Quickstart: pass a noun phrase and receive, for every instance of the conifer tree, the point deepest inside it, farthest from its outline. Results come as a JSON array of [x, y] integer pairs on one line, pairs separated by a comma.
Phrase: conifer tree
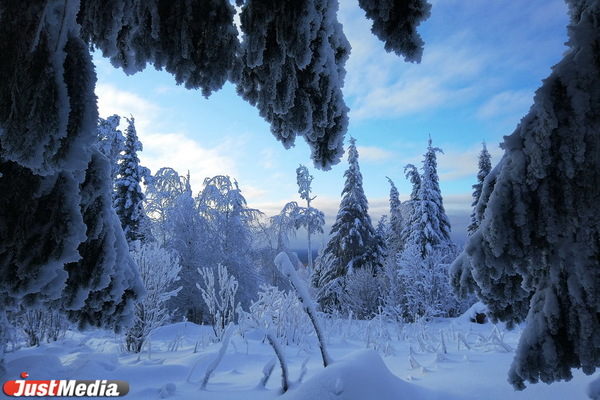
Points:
[[352, 244], [395, 242], [485, 166], [111, 142], [129, 198], [535, 255], [428, 224]]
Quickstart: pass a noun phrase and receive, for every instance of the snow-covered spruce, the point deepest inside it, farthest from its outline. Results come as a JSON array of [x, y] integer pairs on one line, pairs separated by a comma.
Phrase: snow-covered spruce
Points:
[[129, 198], [535, 255], [485, 166], [352, 244]]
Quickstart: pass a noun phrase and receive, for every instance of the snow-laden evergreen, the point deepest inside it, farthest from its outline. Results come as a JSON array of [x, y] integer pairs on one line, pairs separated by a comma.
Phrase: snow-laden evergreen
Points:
[[395, 23], [111, 141], [293, 56], [485, 166], [104, 283], [535, 255], [395, 243], [129, 198], [352, 244], [59, 237], [428, 226]]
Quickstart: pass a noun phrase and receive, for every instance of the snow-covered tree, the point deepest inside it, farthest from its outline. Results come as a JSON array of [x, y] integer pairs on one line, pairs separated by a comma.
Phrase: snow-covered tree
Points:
[[535, 255], [129, 198], [218, 289], [425, 285], [394, 241], [229, 221], [308, 217], [187, 238], [395, 24], [159, 269], [352, 244], [104, 283], [111, 141], [48, 164], [485, 166], [163, 190], [428, 225]]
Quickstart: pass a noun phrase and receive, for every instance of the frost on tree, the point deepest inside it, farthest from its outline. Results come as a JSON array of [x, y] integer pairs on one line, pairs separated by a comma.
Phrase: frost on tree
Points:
[[353, 243], [485, 166], [129, 198], [395, 23], [395, 243], [293, 56], [230, 220], [103, 285], [428, 225], [535, 254], [111, 141], [59, 236]]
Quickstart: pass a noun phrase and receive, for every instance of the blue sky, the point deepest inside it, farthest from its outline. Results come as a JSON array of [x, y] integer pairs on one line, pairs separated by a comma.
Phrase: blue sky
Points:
[[482, 63]]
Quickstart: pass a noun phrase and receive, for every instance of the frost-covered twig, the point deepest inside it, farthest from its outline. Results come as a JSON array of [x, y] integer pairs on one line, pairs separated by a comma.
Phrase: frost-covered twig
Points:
[[283, 263]]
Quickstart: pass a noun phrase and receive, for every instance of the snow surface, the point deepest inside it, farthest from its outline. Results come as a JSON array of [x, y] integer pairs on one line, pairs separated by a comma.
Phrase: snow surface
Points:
[[171, 368]]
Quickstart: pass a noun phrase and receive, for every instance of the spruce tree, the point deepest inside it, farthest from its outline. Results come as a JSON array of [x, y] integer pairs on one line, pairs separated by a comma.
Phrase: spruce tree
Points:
[[129, 198], [535, 255], [352, 244], [485, 166], [395, 242], [428, 225], [111, 142]]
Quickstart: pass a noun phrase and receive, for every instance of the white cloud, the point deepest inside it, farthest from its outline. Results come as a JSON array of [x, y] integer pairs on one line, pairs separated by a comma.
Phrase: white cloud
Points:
[[372, 153], [457, 164], [176, 150], [510, 103]]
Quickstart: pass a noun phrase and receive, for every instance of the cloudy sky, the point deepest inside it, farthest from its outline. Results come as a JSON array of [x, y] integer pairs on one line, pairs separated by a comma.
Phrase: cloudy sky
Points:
[[482, 63]]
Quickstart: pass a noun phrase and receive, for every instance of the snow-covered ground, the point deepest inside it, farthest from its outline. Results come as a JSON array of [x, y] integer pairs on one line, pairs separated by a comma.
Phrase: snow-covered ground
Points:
[[409, 363]]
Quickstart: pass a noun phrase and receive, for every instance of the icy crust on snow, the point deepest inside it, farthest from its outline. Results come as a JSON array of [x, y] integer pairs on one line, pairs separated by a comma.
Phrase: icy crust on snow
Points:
[[358, 376]]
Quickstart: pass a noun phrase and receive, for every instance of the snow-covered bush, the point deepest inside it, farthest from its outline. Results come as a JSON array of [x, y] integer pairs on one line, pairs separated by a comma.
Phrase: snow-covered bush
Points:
[[158, 269], [279, 311], [362, 293], [219, 295], [426, 285]]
